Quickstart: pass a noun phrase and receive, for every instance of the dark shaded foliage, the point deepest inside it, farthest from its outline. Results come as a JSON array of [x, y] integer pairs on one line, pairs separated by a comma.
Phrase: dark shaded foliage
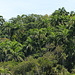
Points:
[[37, 44]]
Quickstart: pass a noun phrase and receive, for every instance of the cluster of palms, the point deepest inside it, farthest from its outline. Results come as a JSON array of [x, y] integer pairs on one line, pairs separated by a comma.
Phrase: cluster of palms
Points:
[[36, 35]]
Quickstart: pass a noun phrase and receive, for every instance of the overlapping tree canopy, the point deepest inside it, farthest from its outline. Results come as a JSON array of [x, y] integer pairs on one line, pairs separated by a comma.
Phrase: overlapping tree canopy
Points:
[[49, 41]]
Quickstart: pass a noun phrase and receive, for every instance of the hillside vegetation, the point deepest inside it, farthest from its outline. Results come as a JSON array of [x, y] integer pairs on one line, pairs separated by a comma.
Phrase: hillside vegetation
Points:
[[38, 44]]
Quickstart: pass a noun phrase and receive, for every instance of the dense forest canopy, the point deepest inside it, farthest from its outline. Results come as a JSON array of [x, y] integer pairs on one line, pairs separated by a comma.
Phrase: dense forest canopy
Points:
[[38, 44]]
